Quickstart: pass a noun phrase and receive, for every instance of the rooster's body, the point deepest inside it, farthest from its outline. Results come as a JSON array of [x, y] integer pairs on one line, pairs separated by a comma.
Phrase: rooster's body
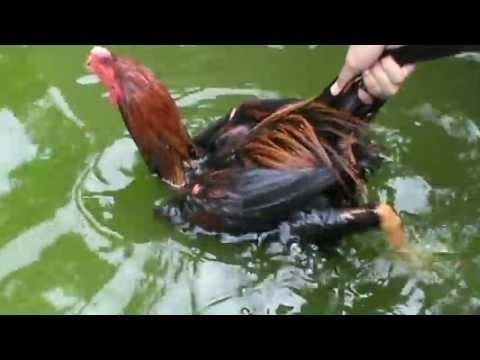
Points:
[[266, 163]]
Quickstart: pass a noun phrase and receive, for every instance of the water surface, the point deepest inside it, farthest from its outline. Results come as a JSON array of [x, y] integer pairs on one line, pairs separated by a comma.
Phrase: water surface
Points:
[[77, 233]]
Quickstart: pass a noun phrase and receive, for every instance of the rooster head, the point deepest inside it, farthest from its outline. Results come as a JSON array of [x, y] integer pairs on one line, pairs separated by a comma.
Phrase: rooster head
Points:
[[101, 62]]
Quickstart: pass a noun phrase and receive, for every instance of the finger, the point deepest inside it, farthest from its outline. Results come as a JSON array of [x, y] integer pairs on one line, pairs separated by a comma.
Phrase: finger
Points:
[[395, 73], [388, 88], [409, 69], [371, 84], [365, 97], [359, 58], [346, 74]]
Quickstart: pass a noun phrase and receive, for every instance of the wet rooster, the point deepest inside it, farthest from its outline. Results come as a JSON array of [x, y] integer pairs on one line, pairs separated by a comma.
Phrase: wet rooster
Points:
[[270, 167]]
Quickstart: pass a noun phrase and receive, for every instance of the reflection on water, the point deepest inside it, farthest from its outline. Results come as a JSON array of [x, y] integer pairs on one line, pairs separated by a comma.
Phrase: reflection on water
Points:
[[196, 283], [115, 295], [455, 126], [54, 98], [97, 248], [469, 56], [112, 166], [63, 301], [411, 194], [88, 80], [61, 104], [16, 148], [213, 93]]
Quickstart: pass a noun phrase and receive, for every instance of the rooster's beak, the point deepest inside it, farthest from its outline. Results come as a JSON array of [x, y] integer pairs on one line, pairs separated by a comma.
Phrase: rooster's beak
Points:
[[87, 64]]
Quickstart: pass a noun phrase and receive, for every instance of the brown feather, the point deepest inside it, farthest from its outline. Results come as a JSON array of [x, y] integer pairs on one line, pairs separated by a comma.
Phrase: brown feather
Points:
[[291, 138], [153, 119]]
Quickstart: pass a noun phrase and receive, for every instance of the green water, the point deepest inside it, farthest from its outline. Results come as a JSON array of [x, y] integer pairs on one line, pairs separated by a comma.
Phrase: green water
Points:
[[77, 233]]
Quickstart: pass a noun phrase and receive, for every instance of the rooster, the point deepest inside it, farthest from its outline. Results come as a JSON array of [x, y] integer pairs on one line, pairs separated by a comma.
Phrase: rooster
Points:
[[268, 167]]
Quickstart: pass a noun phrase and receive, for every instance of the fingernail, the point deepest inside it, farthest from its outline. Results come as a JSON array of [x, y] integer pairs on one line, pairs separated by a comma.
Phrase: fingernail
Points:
[[335, 89]]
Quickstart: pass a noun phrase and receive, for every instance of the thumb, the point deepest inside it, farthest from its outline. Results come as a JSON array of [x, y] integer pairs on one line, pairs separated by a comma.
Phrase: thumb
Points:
[[409, 69], [359, 58], [346, 74]]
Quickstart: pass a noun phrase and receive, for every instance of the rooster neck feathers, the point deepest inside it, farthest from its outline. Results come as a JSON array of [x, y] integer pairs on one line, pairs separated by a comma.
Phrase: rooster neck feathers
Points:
[[149, 112]]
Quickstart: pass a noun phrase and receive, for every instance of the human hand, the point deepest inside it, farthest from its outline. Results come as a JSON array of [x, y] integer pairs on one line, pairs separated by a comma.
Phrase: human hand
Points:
[[382, 79]]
